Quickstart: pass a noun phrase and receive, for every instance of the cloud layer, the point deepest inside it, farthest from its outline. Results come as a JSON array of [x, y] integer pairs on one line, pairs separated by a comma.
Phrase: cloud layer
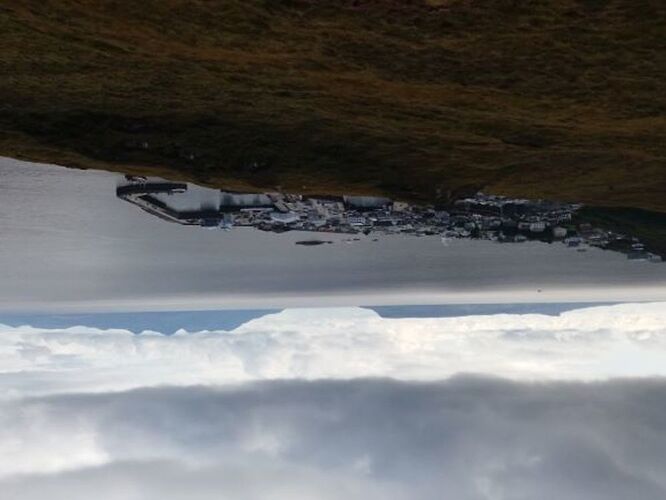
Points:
[[465, 438], [206, 418], [593, 343]]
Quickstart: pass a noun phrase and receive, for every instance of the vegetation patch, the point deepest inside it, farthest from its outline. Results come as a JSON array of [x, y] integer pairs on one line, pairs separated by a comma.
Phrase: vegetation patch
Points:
[[417, 99]]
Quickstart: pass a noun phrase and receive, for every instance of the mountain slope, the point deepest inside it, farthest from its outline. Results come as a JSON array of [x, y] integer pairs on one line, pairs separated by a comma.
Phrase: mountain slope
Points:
[[554, 98]]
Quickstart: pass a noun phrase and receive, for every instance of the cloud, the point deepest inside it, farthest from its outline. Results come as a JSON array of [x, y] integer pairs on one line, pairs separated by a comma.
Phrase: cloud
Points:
[[593, 343], [465, 438], [207, 419], [174, 481]]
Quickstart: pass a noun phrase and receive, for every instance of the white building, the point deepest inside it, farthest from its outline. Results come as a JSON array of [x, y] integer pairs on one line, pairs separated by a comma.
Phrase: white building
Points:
[[537, 227], [356, 220], [559, 232], [285, 218]]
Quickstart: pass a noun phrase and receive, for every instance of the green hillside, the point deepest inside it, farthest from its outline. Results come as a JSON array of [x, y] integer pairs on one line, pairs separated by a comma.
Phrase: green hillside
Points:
[[417, 99]]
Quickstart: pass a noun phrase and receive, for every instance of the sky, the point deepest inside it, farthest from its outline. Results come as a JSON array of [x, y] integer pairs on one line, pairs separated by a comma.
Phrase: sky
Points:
[[463, 438], [166, 322], [339, 343], [169, 322], [340, 403]]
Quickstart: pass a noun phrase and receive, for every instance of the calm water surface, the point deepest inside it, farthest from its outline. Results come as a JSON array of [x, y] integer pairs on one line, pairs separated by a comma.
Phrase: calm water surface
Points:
[[68, 243]]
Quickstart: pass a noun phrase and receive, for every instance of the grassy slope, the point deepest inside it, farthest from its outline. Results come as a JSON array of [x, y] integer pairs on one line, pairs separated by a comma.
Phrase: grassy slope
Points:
[[554, 98]]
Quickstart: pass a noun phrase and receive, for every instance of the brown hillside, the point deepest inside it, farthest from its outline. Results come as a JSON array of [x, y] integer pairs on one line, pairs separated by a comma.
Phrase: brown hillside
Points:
[[542, 98]]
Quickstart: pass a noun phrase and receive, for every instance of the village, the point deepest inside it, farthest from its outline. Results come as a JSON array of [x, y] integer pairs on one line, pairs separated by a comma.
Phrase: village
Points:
[[485, 217]]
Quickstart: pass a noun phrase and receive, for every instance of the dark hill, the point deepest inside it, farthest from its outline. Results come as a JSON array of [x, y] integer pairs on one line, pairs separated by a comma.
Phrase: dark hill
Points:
[[541, 98]]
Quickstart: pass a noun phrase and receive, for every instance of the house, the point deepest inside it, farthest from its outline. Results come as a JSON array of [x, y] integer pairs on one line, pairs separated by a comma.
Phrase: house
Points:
[[285, 218], [400, 206], [559, 232], [366, 202], [537, 227], [356, 220], [280, 206]]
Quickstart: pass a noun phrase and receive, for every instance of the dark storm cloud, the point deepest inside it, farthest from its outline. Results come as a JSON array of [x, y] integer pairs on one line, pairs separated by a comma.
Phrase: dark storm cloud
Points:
[[465, 438]]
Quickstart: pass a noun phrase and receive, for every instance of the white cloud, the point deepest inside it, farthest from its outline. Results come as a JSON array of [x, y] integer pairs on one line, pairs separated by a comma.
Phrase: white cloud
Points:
[[465, 438], [594, 343], [66, 431]]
